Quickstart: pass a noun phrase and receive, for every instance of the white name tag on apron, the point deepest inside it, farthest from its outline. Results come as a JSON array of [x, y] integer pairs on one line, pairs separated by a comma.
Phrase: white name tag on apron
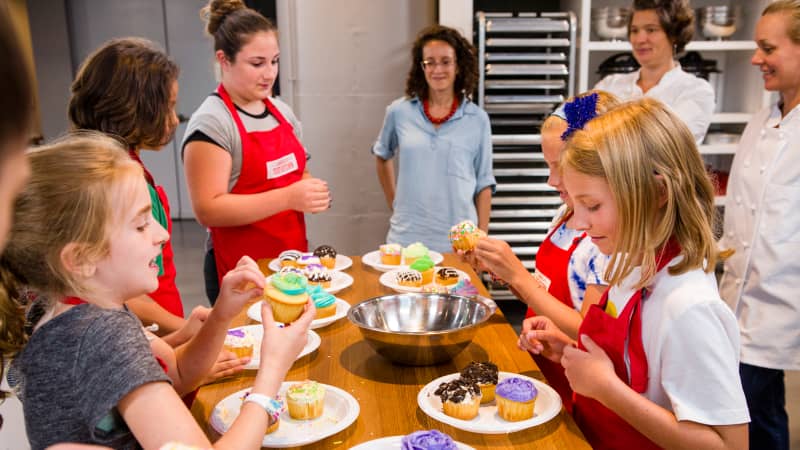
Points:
[[542, 280], [281, 166]]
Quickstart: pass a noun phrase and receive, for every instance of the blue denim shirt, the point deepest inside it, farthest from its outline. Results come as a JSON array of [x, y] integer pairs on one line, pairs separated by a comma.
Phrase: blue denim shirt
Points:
[[440, 171]]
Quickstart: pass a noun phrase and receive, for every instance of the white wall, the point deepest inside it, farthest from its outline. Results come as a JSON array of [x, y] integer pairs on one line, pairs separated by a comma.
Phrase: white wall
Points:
[[342, 63]]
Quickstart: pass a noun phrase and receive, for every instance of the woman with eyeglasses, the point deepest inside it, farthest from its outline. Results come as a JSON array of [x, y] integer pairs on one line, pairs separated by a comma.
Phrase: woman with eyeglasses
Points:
[[245, 165], [443, 140], [658, 31]]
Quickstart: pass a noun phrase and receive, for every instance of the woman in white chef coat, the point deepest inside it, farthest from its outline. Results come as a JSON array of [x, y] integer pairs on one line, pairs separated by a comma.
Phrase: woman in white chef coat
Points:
[[658, 31], [762, 225]]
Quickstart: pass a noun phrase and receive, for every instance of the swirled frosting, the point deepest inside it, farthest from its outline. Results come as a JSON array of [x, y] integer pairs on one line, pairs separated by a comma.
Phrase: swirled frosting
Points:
[[415, 250], [428, 440], [289, 283], [320, 296], [516, 389], [422, 264]]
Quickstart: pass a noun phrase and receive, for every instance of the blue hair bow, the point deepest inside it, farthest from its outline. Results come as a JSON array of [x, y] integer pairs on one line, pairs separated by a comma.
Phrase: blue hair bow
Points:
[[578, 112]]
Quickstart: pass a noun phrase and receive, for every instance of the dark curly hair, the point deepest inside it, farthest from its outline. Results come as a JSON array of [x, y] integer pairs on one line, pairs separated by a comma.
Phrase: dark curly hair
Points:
[[675, 16], [466, 62], [123, 89]]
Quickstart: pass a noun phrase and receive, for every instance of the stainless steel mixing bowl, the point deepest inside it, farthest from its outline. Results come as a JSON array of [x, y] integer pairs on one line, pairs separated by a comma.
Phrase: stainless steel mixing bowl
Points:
[[419, 329]]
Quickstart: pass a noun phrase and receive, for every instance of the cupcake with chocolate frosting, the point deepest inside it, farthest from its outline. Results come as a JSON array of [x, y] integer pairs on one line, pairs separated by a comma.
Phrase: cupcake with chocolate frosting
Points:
[[461, 398], [326, 255]]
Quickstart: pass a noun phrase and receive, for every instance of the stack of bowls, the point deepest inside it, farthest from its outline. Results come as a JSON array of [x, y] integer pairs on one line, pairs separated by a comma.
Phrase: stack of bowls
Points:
[[419, 329], [718, 22], [611, 23]]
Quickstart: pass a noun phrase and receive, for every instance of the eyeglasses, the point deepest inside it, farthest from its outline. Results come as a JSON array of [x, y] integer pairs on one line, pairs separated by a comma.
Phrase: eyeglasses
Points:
[[429, 64]]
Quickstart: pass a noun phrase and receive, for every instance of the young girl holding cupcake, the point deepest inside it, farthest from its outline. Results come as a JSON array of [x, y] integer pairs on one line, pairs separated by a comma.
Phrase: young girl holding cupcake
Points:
[[102, 253], [656, 360]]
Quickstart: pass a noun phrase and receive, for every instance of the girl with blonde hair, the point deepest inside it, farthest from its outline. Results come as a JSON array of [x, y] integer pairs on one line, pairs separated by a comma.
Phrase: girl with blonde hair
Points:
[[569, 267], [656, 360], [85, 237]]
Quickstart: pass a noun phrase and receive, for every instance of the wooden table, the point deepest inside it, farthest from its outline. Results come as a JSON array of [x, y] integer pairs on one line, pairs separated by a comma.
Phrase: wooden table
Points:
[[387, 393]]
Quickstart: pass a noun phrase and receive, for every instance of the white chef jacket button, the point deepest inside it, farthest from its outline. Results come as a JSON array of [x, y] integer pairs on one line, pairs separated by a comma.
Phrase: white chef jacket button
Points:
[[738, 200], [763, 132], [730, 233], [738, 281], [781, 134], [745, 245], [747, 163]]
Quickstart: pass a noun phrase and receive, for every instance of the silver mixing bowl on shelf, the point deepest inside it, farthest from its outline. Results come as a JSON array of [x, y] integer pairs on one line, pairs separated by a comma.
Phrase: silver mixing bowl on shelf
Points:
[[611, 23], [718, 22], [420, 329]]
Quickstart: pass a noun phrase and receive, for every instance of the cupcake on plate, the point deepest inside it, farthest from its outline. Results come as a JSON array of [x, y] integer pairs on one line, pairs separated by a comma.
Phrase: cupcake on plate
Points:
[[427, 440], [287, 296], [413, 252], [447, 276], [317, 274], [324, 301], [239, 342], [485, 374], [305, 400], [461, 398], [326, 255], [390, 254], [306, 259], [464, 236], [409, 278], [289, 258], [424, 265], [516, 398]]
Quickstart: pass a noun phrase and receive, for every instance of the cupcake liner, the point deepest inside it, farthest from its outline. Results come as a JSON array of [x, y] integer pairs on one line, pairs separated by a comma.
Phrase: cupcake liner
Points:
[[514, 411]]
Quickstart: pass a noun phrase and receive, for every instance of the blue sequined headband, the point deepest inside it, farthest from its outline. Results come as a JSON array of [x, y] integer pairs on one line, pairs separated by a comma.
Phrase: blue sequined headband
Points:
[[578, 112]]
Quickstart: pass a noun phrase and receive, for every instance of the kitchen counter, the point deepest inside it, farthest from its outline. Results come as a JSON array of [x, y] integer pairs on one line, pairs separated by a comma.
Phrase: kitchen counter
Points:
[[387, 393]]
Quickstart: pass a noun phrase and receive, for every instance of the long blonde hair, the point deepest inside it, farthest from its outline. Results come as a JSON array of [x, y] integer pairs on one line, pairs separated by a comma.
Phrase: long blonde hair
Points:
[[79, 187], [662, 190]]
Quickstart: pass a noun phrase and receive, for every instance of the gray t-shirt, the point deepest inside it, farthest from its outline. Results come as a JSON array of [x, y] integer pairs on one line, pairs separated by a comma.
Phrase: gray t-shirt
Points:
[[214, 120], [73, 372]]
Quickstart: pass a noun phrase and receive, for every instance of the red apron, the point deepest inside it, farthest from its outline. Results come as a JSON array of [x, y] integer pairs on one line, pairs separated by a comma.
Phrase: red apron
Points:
[[270, 160], [553, 263], [167, 294], [603, 428]]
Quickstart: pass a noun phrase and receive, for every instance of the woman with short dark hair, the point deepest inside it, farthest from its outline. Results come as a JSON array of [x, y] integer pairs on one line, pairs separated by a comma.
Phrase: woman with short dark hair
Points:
[[658, 31]]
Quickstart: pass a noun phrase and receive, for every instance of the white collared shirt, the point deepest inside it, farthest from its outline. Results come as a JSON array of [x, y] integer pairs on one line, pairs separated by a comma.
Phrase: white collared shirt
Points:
[[690, 97], [762, 224]]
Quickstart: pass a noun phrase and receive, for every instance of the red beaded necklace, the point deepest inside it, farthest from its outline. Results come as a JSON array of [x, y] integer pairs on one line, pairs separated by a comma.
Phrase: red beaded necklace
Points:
[[439, 120]]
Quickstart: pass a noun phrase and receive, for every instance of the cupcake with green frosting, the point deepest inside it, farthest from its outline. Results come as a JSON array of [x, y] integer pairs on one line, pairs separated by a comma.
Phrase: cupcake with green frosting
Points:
[[424, 265], [413, 252]]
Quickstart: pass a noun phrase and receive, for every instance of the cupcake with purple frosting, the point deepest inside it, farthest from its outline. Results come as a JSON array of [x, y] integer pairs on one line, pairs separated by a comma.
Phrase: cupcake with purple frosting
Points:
[[515, 399], [428, 440]]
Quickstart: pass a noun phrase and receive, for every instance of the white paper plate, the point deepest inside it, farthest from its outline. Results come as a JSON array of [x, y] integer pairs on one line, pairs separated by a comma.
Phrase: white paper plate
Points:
[[373, 259], [254, 312], [339, 281], [548, 405], [341, 410], [257, 331], [389, 279], [393, 443], [342, 263]]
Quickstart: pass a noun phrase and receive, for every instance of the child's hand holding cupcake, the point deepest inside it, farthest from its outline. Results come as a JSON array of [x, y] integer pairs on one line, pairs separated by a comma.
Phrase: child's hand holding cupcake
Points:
[[242, 284]]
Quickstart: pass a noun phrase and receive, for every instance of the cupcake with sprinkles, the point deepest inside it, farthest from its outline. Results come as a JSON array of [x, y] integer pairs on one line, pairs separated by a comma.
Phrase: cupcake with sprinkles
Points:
[[326, 255], [390, 254], [305, 400], [464, 236], [239, 342]]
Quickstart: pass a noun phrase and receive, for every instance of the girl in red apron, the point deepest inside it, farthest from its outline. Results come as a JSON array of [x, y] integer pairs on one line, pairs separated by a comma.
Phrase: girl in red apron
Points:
[[109, 100], [656, 361], [245, 166], [549, 292]]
